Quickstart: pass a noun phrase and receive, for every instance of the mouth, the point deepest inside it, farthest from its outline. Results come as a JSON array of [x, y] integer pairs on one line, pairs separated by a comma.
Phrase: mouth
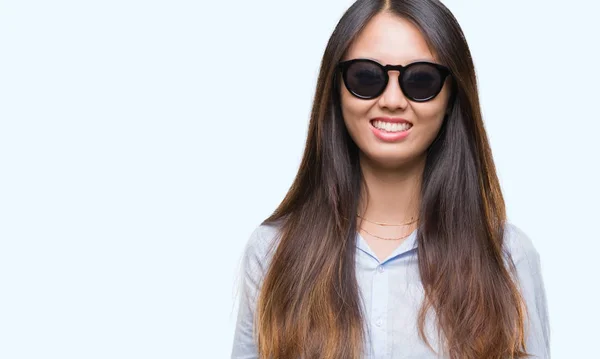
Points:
[[394, 126], [390, 130]]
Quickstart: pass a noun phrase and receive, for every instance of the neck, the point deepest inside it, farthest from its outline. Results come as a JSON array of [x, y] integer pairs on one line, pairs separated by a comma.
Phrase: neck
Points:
[[391, 195]]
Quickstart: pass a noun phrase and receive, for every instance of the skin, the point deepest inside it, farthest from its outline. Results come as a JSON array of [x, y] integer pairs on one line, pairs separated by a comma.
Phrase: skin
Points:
[[392, 171]]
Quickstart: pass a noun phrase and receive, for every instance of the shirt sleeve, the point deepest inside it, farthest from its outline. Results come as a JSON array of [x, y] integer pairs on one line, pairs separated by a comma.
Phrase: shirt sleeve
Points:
[[528, 266], [251, 273]]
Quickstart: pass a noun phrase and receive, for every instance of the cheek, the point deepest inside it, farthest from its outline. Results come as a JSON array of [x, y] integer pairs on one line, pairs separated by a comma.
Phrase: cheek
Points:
[[432, 112], [429, 119], [353, 109], [355, 112], [426, 114]]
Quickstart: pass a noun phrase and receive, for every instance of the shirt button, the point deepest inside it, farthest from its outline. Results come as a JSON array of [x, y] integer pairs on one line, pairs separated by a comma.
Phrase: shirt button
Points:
[[380, 269], [379, 322]]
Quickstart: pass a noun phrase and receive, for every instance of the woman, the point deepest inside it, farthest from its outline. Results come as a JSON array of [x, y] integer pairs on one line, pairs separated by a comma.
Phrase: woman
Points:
[[393, 240]]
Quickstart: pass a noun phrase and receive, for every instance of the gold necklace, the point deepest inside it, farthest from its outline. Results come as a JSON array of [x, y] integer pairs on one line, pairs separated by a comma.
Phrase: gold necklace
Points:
[[387, 224], [388, 239]]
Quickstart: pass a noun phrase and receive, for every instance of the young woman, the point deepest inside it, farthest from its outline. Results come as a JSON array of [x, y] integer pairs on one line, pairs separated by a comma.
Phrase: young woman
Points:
[[393, 241]]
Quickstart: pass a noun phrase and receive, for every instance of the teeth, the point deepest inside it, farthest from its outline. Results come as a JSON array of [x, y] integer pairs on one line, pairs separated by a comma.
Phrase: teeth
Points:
[[391, 127]]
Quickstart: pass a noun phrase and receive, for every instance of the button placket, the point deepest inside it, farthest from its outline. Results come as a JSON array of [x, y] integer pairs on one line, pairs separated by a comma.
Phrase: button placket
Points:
[[379, 310]]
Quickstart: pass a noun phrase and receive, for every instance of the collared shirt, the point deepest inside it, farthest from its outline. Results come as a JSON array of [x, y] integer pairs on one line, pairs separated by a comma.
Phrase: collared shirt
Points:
[[392, 294]]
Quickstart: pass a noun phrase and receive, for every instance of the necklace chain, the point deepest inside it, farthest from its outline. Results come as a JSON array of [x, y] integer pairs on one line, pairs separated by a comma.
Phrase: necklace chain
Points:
[[386, 238], [385, 224]]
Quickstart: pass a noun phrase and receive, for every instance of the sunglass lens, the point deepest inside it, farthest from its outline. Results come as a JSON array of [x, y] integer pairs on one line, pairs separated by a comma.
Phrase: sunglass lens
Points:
[[365, 79], [422, 81]]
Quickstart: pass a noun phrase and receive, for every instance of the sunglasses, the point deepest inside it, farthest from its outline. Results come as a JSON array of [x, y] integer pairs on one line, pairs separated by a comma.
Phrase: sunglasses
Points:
[[367, 79]]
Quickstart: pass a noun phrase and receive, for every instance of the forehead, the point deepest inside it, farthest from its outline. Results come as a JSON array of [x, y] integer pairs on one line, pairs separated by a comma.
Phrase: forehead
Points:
[[390, 39]]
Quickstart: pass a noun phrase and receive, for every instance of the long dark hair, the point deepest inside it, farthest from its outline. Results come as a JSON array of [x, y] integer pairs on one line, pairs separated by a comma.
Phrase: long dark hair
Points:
[[309, 303]]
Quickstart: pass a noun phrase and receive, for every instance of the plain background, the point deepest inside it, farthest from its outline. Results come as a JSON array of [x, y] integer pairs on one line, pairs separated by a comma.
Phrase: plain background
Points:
[[142, 141]]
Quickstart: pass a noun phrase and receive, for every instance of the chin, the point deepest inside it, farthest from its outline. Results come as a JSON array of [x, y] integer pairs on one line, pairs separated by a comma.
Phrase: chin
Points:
[[387, 158]]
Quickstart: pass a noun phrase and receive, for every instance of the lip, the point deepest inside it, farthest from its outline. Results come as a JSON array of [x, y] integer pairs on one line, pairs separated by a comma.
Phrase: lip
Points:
[[390, 136]]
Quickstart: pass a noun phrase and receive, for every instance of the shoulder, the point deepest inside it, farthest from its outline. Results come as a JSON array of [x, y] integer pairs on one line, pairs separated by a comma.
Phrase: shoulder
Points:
[[530, 281], [519, 245], [261, 244]]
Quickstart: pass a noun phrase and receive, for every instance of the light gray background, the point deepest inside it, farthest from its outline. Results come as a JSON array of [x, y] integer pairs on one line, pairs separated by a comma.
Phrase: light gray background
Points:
[[142, 141]]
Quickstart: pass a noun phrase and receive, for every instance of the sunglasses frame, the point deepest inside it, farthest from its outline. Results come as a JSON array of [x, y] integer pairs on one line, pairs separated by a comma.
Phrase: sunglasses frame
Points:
[[443, 71]]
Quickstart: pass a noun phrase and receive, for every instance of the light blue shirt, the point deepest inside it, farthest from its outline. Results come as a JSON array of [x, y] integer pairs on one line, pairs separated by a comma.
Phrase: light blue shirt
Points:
[[392, 294]]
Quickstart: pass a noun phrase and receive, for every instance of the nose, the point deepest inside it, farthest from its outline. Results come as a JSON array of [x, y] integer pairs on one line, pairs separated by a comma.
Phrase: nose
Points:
[[392, 97]]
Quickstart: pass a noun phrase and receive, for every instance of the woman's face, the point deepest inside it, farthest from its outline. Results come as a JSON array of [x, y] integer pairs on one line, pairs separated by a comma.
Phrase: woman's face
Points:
[[389, 39]]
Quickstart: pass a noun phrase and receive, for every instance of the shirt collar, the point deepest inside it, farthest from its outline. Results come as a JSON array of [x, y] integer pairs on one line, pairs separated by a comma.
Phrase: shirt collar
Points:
[[409, 244]]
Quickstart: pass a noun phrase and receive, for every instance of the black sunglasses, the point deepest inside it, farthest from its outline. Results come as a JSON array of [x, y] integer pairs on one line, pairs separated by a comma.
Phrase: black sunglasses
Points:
[[367, 79]]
